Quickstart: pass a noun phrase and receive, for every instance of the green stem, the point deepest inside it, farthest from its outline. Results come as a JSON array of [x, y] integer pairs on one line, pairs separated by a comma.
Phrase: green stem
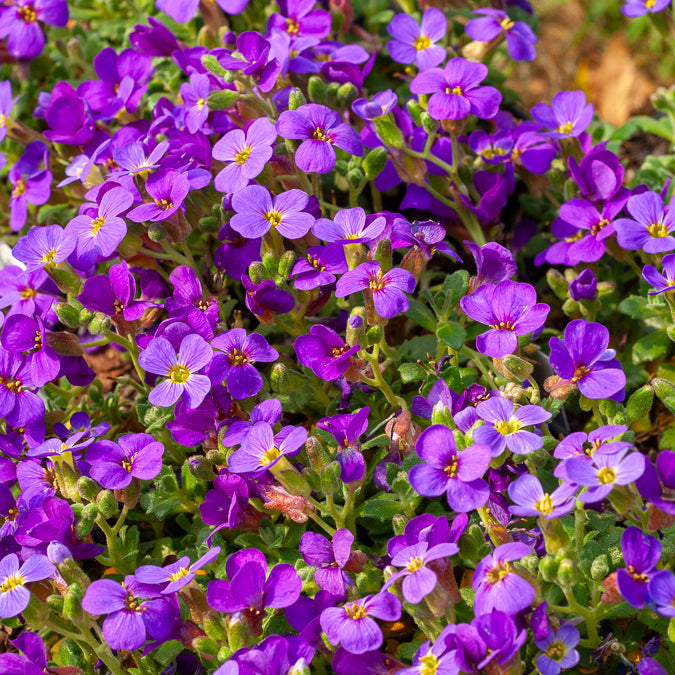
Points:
[[579, 520], [378, 380], [587, 614]]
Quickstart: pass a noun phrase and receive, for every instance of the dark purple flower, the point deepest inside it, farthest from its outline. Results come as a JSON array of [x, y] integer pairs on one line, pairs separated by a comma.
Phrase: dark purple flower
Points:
[[181, 370], [497, 586], [253, 59], [298, 18], [319, 267], [247, 152], [226, 504], [319, 128], [650, 226], [599, 175], [346, 430], [233, 361], [33, 659], [661, 592], [265, 299], [382, 103], [520, 39], [558, 650], [236, 253], [168, 189], [68, 116], [19, 24], [657, 485], [176, 575], [17, 405], [454, 90], [510, 309], [14, 596], [641, 554], [155, 40], [582, 358], [661, 283], [353, 626], [415, 43], [427, 235], [647, 666], [324, 352], [445, 469], [567, 116], [136, 612], [494, 263], [190, 302], [114, 465], [329, 558], [584, 287], [530, 499]]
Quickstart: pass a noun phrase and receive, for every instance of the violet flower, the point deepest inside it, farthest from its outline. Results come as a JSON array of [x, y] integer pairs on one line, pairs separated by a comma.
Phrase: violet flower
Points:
[[438, 658], [641, 554], [599, 176], [330, 558], [529, 498], [494, 263], [649, 666], [584, 287], [17, 405], [454, 90], [382, 103], [567, 116], [14, 596], [269, 411], [661, 593], [247, 152], [298, 18], [353, 625], [27, 189], [236, 253], [520, 39], [497, 586], [558, 650], [510, 309], [181, 370], [68, 116], [257, 212], [582, 358], [650, 225], [346, 430], [324, 352], [176, 575], [19, 24], [265, 299], [445, 469], [195, 95], [33, 660], [319, 128], [114, 465], [415, 43], [635, 8], [349, 226], [657, 484], [503, 427], [168, 189], [388, 290], [319, 267], [133, 158], [7, 103], [661, 283], [253, 59]]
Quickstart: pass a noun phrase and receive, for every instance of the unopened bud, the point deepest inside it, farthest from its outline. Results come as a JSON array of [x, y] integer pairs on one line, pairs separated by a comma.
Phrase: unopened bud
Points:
[[210, 62], [355, 176], [347, 94], [72, 603], [100, 324], [200, 467], [68, 315], [415, 110], [316, 89], [559, 285], [280, 379], [295, 99], [238, 631], [567, 572], [85, 316], [600, 567], [318, 457], [548, 566], [517, 367], [429, 124], [374, 335], [383, 254], [300, 667], [222, 99], [209, 224], [55, 603], [156, 232], [356, 326], [86, 522], [107, 504], [270, 262], [205, 646], [286, 263], [258, 273], [374, 162]]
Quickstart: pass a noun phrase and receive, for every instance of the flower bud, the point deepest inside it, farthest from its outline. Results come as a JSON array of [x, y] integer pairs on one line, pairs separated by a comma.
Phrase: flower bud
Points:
[[440, 414], [87, 488], [100, 324], [286, 263], [300, 667], [517, 367], [316, 89], [639, 404], [209, 224], [355, 176], [55, 603], [280, 379], [157, 232], [600, 567], [205, 646], [238, 631], [86, 522], [374, 335], [331, 94], [383, 254], [258, 273], [330, 478], [665, 390], [415, 110], [356, 326], [211, 64], [107, 504], [558, 283], [295, 99], [130, 494], [567, 572], [222, 99], [548, 566], [58, 552], [270, 263], [72, 603], [388, 131], [374, 161], [68, 315], [201, 468], [429, 124], [85, 316], [65, 277], [347, 94]]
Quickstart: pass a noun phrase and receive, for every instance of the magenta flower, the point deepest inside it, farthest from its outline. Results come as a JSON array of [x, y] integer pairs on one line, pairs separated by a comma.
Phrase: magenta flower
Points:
[[319, 129], [19, 24], [6, 105], [247, 153], [662, 592], [529, 498], [415, 43], [510, 309], [353, 626], [445, 469], [582, 358], [558, 650], [455, 93], [641, 555], [257, 212], [14, 596], [503, 427], [181, 370], [388, 290], [113, 465], [567, 116], [496, 584], [324, 352], [520, 39], [319, 267], [168, 189], [17, 405], [346, 430], [194, 94], [650, 225], [329, 557]]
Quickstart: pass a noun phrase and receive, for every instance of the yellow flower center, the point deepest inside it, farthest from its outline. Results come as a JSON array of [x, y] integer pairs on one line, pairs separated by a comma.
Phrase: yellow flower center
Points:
[[274, 218], [503, 325], [237, 358], [201, 103], [452, 469], [429, 663], [339, 351], [270, 455], [315, 263], [490, 152], [506, 24], [28, 14], [454, 90], [133, 604], [241, 157], [38, 340], [581, 371], [164, 204], [19, 188], [292, 26], [658, 230], [638, 576], [422, 42], [355, 611], [600, 226], [377, 283], [565, 128], [556, 651], [96, 225], [318, 135], [574, 237], [182, 572], [544, 505], [128, 464], [13, 385], [178, 374], [29, 292], [414, 564], [497, 573], [606, 475], [506, 427], [11, 583], [650, 3]]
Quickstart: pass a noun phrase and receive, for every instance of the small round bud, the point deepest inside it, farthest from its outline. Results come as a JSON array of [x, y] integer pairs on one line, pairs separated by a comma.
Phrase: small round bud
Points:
[[258, 273], [107, 504], [209, 224], [86, 522], [156, 232], [87, 488], [295, 99], [100, 324], [201, 468], [286, 263], [567, 572], [67, 314], [280, 379], [600, 567], [271, 263], [85, 316], [317, 90]]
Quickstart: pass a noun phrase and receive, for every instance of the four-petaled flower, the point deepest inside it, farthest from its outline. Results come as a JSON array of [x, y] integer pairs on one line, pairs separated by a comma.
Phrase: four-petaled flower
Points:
[[415, 43], [14, 596]]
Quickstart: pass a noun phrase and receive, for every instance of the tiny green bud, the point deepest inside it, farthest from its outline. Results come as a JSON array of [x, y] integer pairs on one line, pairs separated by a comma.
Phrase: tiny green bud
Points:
[[330, 478], [429, 124], [65, 277], [332, 94], [107, 504], [295, 99], [222, 99], [559, 285], [548, 566], [318, 457], [388, 131], [383, 254], [85, 316], [374, 161], [156, 232], [206, 646], [238, 631], [316, 89], [342, 166], [86, 522], [211, 64], [87, 488], [72, 603], [100, 324], [286, 263], [539, 457], [374, 335], [600, 567], [356, 327], [519, 368], [415, 110], [355, 176], [271, 263], [67, 314], [280, 379], [567, 572], [258, 273], [347, 94], [639, 404], [55, 603], [209, 224]]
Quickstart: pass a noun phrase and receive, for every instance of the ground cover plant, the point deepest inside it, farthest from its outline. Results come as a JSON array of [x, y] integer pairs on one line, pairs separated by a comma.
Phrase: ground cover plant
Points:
[[320, 352]]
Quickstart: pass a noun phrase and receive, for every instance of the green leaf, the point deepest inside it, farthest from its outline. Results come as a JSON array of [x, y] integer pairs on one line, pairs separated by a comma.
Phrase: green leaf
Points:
[[384, 508], [421, 315], [651, 347], [455, 286], [451, 334], [639, 307], [412, 372]]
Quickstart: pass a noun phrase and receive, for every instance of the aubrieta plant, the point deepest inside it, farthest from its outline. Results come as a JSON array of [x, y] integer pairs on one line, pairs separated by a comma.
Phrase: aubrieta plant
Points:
[[321, 353]]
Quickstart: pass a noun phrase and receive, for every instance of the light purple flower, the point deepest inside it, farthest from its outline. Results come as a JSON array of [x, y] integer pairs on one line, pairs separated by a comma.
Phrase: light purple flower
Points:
[[530, 499], [650, 226], [168, 189], [567, 116], [19, 24], [176, 575], [662, 283], [635, 8], [14, 596], [194, 97], [349, 226], [558, 650], [319, 267], [662, 593], [324, 352], [641, 554], [415, 43], [520, 39], [382, 103], [329, 557]]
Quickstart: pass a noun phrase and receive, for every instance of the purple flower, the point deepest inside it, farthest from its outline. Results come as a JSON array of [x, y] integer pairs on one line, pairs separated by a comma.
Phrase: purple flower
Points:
[[233, 362], [236, 253], [101, 229], [257, 212], [658, 484], [319, 267], [168, 190], [181, 370], [497, 586], [418, 579], [349, 226], [458, 474], [567, 116], [503, 427], [6, 105], [662, 283], [260, 449], [382, 103], [641, 554], [388, 290], [194, 97], [247, 153], [416, 44], [650, 226], [438, 658], [520, 39], [252, 59], [634, 8], [298, 18], [426, 235], [662, 592], [604, 472], [353, 626], [265, 299], [14, 596], [68, 116], [19, 24], [599, 175], [330, 559], [346, 430], [530, 499], [176, 575], [558, 650], [584, 287], [510, 309], [226, 505], [648, 666], [250, 589], [455, 93], [319, 129], [17, 405], [494, 263], [133, 158], [136, 612], [34, 659], [324, 352], [582, 358], [113, 465]]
